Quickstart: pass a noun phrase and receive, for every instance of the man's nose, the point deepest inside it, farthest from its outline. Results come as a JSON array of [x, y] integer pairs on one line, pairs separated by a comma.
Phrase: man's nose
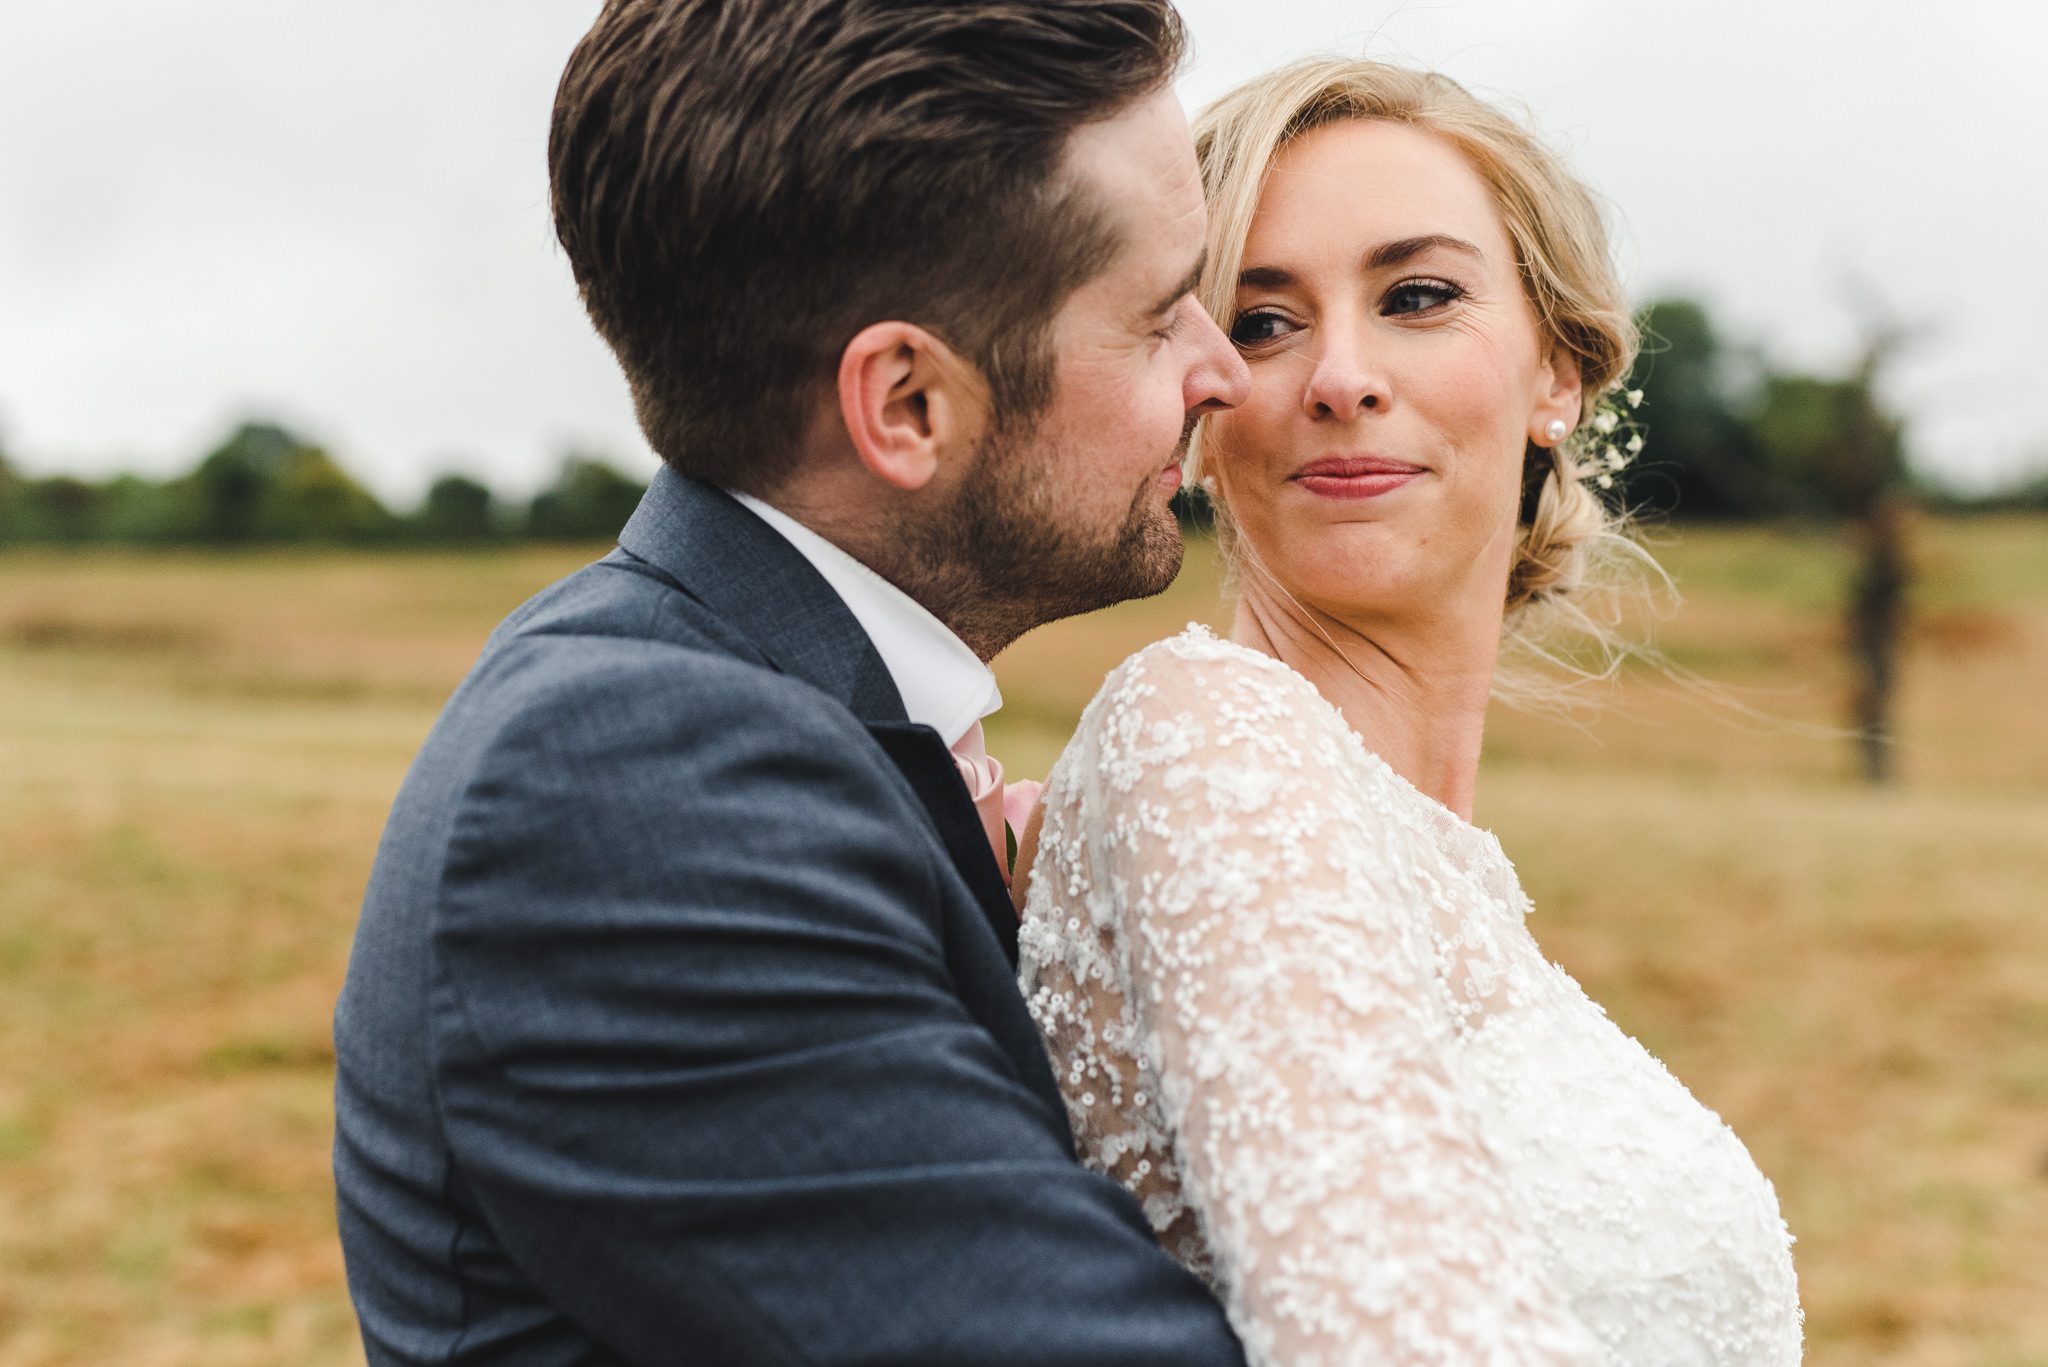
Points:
[[1220, 379]]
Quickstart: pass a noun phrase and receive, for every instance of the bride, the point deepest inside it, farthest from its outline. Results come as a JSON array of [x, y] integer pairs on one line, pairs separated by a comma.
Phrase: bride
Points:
[[1286, 984]]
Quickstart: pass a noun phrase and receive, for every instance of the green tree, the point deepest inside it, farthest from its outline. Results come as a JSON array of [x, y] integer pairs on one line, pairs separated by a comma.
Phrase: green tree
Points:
[[1700, 457], [60, 508], [457, 509], [264, 483], [234, 481], [589, 500], [1830, 441], [314, 499], [1833, 440], [10, 498], [1193, 510], [146, 511]]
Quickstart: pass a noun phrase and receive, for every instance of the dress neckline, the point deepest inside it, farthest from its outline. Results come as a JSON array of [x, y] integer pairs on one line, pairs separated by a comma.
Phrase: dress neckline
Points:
[[1474, 847]]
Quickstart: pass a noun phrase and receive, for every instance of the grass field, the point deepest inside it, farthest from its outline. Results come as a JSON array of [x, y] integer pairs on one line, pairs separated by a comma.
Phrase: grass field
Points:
[[196, 755]]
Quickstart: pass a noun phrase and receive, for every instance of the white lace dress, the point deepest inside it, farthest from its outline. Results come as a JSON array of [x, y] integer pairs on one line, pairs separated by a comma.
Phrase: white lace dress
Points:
[[1295, 1008]]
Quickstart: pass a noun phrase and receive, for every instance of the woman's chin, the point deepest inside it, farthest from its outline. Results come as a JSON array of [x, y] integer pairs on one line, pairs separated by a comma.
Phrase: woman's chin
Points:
[[1343, 588]]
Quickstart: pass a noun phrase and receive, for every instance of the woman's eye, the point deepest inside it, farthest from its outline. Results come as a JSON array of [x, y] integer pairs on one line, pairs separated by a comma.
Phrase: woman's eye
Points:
[[1258, 328], [1419, 296]]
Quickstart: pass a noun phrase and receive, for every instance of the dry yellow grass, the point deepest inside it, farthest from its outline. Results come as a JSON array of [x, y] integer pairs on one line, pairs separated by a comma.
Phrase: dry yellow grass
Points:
[[197, 754]]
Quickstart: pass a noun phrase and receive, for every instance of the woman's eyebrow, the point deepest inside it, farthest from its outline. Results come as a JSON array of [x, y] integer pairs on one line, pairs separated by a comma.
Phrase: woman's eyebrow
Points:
[[1408, 248], [1382, 257]]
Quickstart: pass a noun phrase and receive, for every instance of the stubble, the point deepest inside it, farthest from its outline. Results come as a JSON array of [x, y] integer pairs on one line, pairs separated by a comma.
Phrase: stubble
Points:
[[1009, 553]]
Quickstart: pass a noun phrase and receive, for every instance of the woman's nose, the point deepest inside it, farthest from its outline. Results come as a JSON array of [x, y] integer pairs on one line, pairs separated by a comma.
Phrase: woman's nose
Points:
[[1345, 385]]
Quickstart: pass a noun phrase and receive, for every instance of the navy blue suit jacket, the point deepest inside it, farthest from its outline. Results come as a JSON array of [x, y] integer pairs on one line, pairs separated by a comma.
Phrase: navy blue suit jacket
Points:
[[682, 1027]]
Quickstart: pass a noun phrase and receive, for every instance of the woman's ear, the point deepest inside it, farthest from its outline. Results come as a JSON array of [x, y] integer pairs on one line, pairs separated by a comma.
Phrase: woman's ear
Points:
[[910, 403], [1560, 393]]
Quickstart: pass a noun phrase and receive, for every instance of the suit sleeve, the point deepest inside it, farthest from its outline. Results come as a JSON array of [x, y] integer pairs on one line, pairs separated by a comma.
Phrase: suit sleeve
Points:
[[704, 1072]]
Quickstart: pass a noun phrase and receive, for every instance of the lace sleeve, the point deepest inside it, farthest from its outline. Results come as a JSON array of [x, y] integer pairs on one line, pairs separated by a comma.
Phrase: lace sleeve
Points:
[[1252, 942]]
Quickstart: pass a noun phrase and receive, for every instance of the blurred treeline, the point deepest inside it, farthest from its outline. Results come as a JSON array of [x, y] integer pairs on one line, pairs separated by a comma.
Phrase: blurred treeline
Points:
[[1732, 437], [267, 485], [1729, 436]]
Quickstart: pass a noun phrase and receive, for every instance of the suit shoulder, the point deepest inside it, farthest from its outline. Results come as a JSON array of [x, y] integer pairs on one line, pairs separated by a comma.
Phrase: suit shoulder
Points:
[[616, 645], [581, 690], [620, 596]]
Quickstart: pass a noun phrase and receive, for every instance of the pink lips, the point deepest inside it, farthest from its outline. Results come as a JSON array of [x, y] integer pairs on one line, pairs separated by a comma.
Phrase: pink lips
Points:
[[1355, 476]]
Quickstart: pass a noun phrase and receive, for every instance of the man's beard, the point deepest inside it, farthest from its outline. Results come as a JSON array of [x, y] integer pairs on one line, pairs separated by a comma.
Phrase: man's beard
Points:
[[1004, 556]]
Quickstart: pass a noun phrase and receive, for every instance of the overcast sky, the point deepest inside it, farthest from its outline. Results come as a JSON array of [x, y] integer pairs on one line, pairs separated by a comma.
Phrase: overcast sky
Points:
[[335, 214]]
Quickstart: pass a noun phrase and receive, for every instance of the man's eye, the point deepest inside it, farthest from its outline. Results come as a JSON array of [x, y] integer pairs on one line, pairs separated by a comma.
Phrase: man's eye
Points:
[[1259, 328], [1419, 296], [1170, 321]]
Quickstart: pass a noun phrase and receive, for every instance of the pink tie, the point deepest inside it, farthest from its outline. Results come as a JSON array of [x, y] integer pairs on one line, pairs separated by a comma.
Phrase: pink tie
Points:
[[998, 805]]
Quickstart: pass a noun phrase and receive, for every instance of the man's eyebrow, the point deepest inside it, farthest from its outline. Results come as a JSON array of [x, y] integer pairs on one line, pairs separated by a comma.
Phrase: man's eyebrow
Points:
[[1183, 289]]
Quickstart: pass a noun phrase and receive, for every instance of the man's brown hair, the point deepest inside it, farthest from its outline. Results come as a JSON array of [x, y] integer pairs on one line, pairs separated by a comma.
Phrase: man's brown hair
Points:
[[743, 185]]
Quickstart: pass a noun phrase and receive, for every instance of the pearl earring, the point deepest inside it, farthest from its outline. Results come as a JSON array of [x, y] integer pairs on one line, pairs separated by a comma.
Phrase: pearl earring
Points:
[[1558, 430]]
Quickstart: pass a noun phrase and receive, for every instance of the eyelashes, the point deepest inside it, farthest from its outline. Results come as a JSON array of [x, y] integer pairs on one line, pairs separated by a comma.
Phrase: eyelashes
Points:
[[1423, 297], [1248, 329], [1409, 292]]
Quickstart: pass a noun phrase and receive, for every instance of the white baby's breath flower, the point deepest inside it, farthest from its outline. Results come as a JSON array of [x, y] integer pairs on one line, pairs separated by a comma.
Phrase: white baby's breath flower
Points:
[[1635, 398], [1635, 443], [1606, 481], [1604, 421]]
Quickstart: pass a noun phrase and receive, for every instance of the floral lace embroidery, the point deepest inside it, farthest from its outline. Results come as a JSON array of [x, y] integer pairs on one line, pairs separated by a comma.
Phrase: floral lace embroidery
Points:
[[1295, 1009]]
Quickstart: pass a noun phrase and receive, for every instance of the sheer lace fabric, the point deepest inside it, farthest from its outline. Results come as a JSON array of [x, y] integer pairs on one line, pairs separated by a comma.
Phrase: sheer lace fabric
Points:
[[1295, 1008]]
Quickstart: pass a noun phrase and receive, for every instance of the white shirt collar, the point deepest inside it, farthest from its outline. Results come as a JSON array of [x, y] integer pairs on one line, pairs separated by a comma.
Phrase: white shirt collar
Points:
[[944, 685]]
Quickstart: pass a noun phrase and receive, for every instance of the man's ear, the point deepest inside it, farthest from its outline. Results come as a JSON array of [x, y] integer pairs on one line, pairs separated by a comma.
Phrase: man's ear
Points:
[[910, 403]]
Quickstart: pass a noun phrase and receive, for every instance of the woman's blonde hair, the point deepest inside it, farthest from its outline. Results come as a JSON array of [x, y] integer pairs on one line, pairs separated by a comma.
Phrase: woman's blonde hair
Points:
[[1571, 550]]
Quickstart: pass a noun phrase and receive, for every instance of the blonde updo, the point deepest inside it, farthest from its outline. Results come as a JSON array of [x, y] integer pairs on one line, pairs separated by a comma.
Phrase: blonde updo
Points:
[[1569, 538]]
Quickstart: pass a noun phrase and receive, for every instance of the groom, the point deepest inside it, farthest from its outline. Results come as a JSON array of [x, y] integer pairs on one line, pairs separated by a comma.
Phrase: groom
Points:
[[682, 1025]]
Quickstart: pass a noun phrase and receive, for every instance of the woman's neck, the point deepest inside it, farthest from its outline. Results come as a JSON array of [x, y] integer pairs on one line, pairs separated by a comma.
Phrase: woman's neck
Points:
[[1415, 691]]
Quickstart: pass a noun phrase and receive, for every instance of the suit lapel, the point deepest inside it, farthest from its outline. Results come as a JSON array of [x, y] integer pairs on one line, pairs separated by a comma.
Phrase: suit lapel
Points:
[[935, 778], [741, 569]]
